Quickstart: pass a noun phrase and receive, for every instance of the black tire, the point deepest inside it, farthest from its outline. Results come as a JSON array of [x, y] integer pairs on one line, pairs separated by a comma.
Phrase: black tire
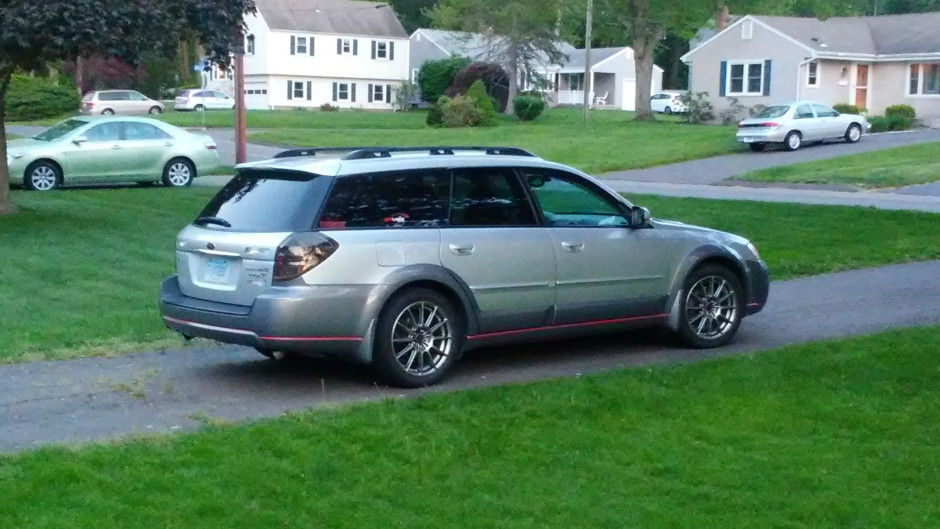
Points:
[[668, 110], [155, 110], [178, 172], [793, 141], [396, 348], [199, 108], [42, 176], [708, 316], [757, 147], [853, 133], [107, 112]]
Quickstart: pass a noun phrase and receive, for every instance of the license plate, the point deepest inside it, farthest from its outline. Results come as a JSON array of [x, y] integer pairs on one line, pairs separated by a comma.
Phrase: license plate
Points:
[[217, 270], [747, 139]]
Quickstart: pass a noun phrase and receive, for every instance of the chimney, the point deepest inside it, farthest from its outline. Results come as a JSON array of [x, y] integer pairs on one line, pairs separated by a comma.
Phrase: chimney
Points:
[[721, 19]]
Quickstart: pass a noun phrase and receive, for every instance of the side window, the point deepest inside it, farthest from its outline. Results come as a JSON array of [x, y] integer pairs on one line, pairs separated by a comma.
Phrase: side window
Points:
[[566, 201], [107, 96], [122, 96], [105, 132], [143, 131], [803, 112], [824, 111], [136, 96], [491, 196], [393, 200], [220, 95]]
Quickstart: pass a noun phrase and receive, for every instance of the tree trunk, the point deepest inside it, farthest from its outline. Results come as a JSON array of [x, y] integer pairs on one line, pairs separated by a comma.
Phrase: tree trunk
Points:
[[6, 204], [79, 74], [513, 77], [643, 44]]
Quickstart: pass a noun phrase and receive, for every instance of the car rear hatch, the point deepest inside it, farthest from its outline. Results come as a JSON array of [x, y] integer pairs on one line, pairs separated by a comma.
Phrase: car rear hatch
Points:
[[228, 254]]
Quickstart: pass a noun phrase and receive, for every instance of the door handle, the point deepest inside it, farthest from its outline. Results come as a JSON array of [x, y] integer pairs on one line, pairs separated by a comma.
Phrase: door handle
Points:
[[461, 249], [168, 144], [573, 246], [115, 146]]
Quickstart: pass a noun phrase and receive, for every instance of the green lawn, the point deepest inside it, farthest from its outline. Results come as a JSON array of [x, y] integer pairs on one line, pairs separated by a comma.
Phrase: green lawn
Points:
[[897, 167], [827, 435], [82, 267]]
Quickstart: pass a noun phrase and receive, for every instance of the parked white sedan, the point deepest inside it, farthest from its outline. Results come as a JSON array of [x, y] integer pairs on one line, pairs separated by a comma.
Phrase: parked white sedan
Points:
[[200, 100], [793, 124]]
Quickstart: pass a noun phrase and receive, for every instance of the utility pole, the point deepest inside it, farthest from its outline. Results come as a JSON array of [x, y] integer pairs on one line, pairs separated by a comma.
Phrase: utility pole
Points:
[[588, 81], [240, 129]]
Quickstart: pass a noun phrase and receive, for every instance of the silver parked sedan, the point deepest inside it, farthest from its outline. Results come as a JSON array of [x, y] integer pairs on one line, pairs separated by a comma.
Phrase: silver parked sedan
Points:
[[793, 124], [110, 149], [405, 258]]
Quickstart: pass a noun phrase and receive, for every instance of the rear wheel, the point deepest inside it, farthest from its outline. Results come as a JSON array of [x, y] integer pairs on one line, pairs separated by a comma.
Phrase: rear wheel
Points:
[[711, 308], [417, 339], [107, 112], [178, 172], [199, 108], [668, 110], [42, 176], [853, 133], [757, 147], [154, 110], [793, 141]]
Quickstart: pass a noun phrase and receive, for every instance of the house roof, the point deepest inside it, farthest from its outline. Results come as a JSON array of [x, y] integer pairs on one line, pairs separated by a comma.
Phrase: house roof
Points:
[[576, 57], [341, 17], [881, 35]]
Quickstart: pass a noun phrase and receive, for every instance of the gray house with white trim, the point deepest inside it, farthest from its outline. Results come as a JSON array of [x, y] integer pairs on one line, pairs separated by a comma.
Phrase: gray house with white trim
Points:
[[872, 62]]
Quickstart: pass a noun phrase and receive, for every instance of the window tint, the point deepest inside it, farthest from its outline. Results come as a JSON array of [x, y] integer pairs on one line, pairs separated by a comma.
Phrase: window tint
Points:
[[105, 132], [267, 200], [393, 199], [566, 200], [489, 196], [803, 112], [143, 131]]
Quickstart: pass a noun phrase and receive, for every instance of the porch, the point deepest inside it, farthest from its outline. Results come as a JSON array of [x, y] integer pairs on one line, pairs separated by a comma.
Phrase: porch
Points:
[[569, 89]]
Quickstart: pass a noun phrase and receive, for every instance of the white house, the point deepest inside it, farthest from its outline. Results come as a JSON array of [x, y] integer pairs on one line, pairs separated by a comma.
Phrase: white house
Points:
[[304, 53]]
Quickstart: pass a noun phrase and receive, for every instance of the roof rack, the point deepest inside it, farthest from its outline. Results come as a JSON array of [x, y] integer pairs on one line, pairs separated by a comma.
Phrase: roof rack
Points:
[[365, 153]]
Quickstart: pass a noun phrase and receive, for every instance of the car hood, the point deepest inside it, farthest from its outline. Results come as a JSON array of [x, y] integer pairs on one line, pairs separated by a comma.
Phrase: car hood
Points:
[[23, 144], [699, 231]]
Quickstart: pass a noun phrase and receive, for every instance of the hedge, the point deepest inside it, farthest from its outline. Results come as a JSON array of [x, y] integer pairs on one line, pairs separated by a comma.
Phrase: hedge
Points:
[[31, 98]]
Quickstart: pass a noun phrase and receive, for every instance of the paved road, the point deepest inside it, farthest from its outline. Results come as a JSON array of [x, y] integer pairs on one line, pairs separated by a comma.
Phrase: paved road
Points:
[[94, 399], [714, 170]]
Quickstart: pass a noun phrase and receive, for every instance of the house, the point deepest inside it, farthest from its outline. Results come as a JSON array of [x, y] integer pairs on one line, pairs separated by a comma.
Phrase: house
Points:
[[871, 62], [304, 53], [612, 68]]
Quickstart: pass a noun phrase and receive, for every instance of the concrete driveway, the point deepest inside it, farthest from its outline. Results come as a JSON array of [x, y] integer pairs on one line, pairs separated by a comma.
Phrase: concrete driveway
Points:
[[165, 391]]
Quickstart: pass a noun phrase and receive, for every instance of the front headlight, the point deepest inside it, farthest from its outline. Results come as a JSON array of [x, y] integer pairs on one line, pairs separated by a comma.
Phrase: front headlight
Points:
[[753, 249]]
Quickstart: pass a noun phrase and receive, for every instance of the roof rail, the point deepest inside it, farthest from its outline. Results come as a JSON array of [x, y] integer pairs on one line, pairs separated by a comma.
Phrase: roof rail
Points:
[[364, 153]]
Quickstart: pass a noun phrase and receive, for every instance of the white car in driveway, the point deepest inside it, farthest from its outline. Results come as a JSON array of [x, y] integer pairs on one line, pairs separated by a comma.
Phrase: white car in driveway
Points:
[[793, 124], [200, 100], [668, 102]]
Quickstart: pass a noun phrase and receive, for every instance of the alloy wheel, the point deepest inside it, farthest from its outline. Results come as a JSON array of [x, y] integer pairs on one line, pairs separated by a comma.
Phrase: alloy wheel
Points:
[[179, 174], [422, 338], [43, 178], [711, 308]]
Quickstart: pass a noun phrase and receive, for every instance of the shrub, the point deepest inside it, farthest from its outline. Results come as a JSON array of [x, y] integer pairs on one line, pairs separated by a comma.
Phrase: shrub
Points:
[[903, 111], [700, 108], [326, 107], [889, 123], [435, 77], [37, 98], [477, 94], [845, 108], [406, 95], [494, 80], [460, 111], [435, 113], [528, 107]]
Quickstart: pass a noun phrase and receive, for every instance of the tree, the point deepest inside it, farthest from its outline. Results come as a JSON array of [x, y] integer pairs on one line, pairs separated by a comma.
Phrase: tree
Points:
[[413, 14], [35, 33], [518, 35]]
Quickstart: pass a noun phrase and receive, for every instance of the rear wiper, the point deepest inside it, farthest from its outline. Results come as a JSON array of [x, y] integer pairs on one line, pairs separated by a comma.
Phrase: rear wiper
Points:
[[202, 221]]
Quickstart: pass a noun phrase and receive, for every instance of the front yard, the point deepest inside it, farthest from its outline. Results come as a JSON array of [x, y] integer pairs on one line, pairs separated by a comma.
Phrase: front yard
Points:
[[827, 435], [82, 267]]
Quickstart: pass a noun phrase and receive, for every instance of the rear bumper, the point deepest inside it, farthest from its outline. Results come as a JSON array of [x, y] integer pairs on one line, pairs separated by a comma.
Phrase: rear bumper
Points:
[[309, 319], [758, 287], [757, 135]]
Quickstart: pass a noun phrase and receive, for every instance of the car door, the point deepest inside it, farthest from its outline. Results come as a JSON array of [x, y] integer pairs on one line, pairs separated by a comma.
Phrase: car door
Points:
[[806, 122], [830, 125], [137, 103], [494, 244], [222, 101], [605, 270], [96, 155], [146, 147]]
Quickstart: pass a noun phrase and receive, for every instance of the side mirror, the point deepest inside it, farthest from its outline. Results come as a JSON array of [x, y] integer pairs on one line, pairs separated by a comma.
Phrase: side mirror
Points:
[[639, 217], [79, 140]]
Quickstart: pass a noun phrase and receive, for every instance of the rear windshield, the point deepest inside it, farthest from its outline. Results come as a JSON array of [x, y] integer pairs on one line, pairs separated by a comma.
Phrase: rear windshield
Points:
[[772, 112], [88, 97], [269, 200]]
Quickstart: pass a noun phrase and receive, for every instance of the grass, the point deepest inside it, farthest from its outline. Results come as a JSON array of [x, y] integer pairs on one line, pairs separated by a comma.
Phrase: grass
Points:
[[897, 167], [827, 435], [82, 268]]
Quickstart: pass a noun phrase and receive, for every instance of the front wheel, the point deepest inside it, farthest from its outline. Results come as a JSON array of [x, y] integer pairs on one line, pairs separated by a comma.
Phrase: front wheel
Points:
[[154, 110], [418, 338], [178, 173], [853, 133], [711, 307], [793, 141], [42, 176]]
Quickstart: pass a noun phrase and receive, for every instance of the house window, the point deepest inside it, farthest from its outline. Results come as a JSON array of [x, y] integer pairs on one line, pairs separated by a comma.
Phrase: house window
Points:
[[378, 92], [347, 46], [301, 45], [381, 50], [812, 74], [575, 81], [414, 75], [747, 30], [915, 79], [746, 79], [342, 92], [296, 90], [250, 45], [925, 79]]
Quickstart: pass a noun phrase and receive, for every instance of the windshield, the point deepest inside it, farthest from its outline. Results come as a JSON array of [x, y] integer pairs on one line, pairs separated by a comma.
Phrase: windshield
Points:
[[57, 131], [772, 112]]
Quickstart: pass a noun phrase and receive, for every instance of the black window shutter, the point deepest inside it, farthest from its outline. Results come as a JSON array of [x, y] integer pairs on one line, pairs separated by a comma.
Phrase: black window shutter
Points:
[[290, 90], [391, 51], [373, 49], [370, 92], [352, 92], [722, 73], [309, 90], [293, 44], [767, 77], [339, 46], [355, 46], [335, 89], [311, 45], [388, 93]]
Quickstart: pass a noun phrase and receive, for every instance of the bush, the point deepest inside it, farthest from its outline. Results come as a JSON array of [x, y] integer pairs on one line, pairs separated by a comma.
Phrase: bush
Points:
[[528, 107], [903, 111], [889, 123], [37, 98], [460, 111], [700, 108], [435, 113], [406, 95], [494, 80], [326, 107], [435, 77], [845, 108], [477, 94]]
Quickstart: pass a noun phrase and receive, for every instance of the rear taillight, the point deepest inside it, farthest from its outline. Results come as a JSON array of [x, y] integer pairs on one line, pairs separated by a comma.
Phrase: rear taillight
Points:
[[300, 253], [769, 124]]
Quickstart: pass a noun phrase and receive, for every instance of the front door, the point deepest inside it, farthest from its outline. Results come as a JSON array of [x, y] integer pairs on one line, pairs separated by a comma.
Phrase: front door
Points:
[[493, 243], [861, 85], [98, 158]]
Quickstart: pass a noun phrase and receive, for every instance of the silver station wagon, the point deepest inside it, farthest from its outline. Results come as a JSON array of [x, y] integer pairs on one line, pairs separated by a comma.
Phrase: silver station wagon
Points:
[[405, 258]]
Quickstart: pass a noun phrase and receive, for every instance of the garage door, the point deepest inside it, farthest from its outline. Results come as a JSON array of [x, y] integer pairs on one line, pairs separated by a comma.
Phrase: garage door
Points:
[[256, 96], [629, 94]]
